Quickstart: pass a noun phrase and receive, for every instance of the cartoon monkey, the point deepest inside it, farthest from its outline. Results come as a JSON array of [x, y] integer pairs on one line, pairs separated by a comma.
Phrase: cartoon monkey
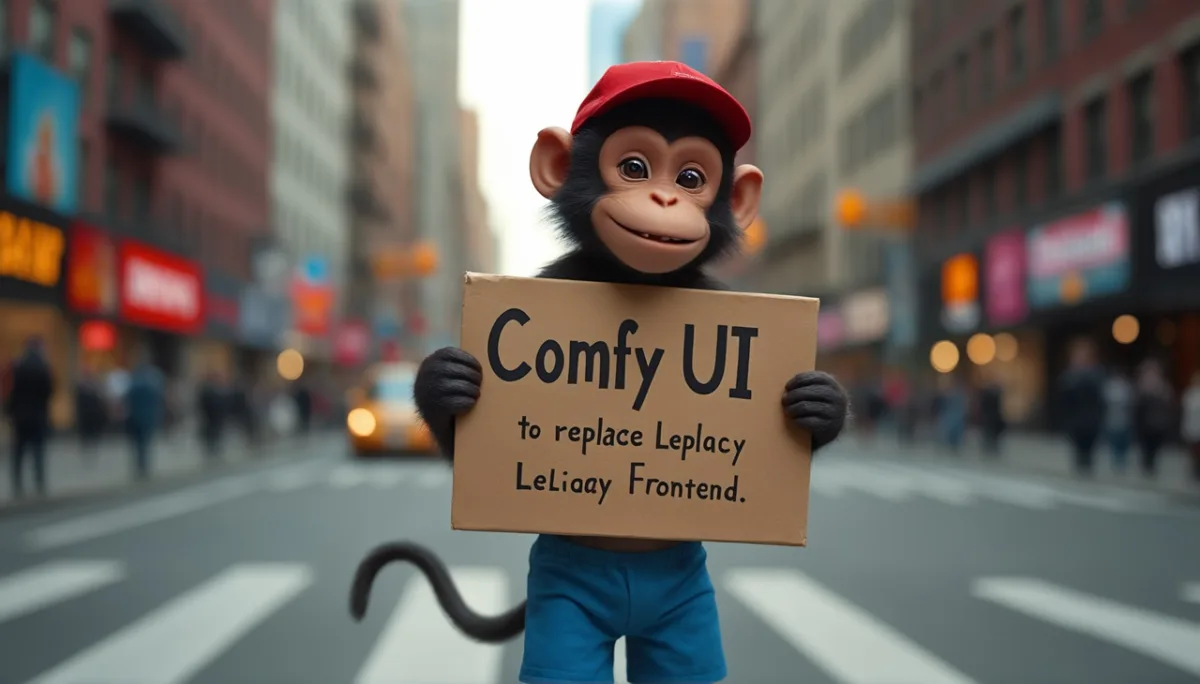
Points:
[[645, 189]]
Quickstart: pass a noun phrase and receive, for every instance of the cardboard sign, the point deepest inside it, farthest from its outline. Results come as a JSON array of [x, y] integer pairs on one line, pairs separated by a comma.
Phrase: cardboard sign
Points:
[[632, 411]]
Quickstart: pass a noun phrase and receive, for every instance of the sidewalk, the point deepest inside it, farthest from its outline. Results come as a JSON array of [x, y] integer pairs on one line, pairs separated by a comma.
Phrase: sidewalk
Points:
[[1043, 454], [71, 472]]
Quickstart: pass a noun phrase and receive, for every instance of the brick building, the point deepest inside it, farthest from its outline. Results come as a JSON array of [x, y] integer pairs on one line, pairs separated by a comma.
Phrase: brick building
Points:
[[171, 173], [383, 186], [1041, 129]]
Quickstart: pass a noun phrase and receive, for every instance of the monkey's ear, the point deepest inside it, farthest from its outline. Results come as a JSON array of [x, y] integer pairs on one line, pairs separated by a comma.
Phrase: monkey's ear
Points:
[[550, 161], [747, 190]]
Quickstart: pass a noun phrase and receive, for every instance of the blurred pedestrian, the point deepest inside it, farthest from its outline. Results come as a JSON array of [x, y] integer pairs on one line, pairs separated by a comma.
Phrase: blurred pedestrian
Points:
[[952, 412], [1080, 397], [28, 407], [91, 413], [213, 408], [1119, 403], [304, 405], [1190, 422], [1155, 416], [144, 407], [991, 416]]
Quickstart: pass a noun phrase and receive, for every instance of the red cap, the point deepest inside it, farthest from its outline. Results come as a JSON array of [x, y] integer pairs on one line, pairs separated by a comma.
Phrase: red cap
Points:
[[672, 80]]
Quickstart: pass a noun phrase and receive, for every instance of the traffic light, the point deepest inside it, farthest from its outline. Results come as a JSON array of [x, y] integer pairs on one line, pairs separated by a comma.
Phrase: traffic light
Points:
[[852, 210], [756, 235], [418, 261]]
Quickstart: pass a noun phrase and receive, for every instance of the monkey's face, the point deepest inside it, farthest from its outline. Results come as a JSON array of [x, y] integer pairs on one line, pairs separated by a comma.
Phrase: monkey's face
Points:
[[653, 217]]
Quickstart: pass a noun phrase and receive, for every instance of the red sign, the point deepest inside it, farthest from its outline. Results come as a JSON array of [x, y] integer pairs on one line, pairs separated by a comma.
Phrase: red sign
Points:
[[97, 336], [160, 290], [351, 344], [312, 305], [91, 271]]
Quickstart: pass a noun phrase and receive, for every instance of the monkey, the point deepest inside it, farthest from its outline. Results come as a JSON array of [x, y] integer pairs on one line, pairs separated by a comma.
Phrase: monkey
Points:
[[645, 191]]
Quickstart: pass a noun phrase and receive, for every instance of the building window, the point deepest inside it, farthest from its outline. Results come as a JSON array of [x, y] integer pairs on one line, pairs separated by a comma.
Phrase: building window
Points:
[[1051, 29], [1020, 177], [1093, 17], [112, 190], [41, 29], [1054, 162], [79, 57], [1141, 117], [1016, 42], [989, 194], [1095, 125], [1133, 7], [114, 79], [987, 62], [962, 76], [4, 35], [1191, 90]]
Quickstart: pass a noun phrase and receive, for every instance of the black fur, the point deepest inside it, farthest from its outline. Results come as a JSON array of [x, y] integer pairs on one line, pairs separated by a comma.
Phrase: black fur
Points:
[[448, 381]]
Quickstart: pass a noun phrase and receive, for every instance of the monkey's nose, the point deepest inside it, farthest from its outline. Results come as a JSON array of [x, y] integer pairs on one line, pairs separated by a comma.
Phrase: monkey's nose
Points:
[[663, 199]]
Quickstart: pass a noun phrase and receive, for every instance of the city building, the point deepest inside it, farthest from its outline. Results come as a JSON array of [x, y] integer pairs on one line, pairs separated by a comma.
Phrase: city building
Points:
[[382, 194], [643, 39], [607, 22], [836, 121], [481, 243], [433, 29], [310, 170], [143, 130], [1057, 146]]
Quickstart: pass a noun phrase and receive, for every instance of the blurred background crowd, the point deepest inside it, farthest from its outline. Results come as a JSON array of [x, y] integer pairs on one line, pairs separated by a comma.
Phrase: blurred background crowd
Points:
[[998, 203]]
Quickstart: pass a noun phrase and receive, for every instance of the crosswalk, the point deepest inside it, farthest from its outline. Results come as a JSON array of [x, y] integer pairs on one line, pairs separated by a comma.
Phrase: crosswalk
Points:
[[177, 640], [889, 482]]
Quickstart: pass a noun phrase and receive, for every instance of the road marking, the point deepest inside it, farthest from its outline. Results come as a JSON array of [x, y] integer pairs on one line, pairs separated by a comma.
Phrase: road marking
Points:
[[620, 670], [123, 518], [385, 479], [420, 645], [820, 485], [290, 480], [173, 643], [1033, 497], [841, 638], [1161, 637], [433, 479], [948, 490], [346, 477], [45, 585], [1191, 592], [860, 479]]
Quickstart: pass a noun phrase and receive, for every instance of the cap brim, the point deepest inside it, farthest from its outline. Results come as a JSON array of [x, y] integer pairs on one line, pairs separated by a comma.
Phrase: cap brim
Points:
[[723, 107]]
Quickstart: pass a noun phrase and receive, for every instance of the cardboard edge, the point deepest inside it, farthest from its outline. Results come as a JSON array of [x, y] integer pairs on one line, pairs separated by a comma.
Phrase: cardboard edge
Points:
[[471, 277]]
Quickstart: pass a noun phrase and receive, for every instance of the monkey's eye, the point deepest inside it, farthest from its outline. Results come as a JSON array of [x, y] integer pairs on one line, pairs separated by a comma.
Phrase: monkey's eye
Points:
[[633, 169], [690, 179]]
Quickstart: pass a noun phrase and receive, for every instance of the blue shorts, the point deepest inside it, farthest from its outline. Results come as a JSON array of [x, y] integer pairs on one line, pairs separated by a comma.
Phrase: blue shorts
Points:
[[581, 600]]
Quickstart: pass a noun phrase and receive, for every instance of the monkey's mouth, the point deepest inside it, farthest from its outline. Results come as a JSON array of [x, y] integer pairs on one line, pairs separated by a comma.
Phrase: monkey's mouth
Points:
[[653, 237]]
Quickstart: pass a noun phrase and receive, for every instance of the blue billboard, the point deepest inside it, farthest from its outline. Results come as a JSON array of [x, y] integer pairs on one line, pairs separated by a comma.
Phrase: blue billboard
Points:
[[694, 53], [43, 135]]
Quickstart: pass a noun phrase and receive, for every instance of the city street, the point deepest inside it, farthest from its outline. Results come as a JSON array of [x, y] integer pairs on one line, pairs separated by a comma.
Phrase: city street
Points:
[[917, 572]]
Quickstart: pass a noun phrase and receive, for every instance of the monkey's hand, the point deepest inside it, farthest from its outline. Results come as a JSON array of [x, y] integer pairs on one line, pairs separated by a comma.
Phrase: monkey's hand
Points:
[[817, 403], [447, 385]]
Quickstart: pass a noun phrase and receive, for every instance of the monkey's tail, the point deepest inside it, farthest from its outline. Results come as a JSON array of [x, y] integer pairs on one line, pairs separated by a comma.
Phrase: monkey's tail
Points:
[[484, 628]]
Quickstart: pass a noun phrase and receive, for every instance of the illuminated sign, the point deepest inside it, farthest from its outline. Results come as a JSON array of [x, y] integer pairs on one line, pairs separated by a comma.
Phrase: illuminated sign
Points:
[[30, 250], [960, 293]]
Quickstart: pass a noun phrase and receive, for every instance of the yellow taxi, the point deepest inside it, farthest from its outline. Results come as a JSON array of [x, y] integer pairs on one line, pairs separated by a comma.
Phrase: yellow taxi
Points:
[[383, 417]]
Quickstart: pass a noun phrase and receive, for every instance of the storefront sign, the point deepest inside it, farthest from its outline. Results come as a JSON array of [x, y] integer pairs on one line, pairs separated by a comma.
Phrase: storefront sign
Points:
[[43, 134], [1177, 229], [160, 290], [31, 251], [1004, 269], [902, 295], [960, 293], [92, 271], [865, 316], [1080, 257], [263, 318], [97, 336], [830, 330], [312, 297], [351, 343]]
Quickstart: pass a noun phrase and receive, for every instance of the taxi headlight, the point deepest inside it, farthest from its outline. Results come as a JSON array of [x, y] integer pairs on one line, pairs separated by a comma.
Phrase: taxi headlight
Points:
[[361, 422]]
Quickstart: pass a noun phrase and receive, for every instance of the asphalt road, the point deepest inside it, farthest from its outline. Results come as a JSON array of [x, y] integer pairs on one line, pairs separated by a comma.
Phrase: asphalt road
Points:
[[916, 573]]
